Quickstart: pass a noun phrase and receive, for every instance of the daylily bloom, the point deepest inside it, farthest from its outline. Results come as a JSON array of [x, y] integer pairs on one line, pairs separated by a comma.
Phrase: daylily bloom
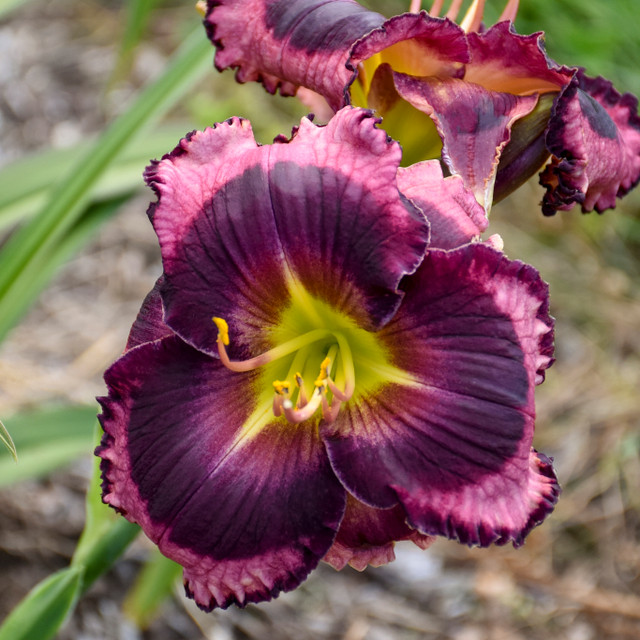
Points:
[[458, 92], [309, 379]]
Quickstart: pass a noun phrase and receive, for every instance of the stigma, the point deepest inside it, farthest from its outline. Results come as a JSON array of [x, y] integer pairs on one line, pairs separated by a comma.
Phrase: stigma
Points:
[[297, 401]]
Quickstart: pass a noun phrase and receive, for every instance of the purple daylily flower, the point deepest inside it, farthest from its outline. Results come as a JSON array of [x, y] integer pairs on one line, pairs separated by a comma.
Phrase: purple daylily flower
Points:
[[489, 102], [313, 376]]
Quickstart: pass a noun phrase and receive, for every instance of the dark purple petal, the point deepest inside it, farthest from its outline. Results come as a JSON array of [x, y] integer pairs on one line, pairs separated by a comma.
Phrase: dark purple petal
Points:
[[288, 43], [246, 504], [454, 215], [319, 44], [452, 443], [367, 535], [594, 136], [505, 61], [149, 324], [474, 124], [236, 222]]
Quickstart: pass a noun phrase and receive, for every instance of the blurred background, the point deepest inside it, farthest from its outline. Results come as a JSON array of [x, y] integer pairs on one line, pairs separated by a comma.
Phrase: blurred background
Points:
[[69, 68]]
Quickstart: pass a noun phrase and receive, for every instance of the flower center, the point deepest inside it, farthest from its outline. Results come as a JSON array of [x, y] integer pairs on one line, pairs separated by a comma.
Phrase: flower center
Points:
[[293, 401]]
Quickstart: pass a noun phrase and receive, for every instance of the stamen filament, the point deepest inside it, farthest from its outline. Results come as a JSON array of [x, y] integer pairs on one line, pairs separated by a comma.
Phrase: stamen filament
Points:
[[473, 17], [273, 354], [436, 8], [302, 394], [415, 6], [330, 411], [278, 401], [340, 395], [347, 365], [300, 415], [298, 363], [282, 401], [510, 11], [454, 9]]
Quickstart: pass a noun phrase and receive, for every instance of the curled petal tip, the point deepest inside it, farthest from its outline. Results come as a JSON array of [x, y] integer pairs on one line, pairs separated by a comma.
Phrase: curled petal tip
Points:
[[594, 136], [495, 242]]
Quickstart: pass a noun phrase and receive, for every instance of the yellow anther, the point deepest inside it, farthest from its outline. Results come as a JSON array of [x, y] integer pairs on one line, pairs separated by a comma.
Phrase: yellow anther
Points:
[[299, 380], [223, 330], [201, 7], [320, 383], [324, 365], [281, 387]]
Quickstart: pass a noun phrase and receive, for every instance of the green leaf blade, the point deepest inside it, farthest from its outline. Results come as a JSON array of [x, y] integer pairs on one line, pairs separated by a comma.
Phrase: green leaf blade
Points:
[[25, 253], [152, 587], [45, 608]]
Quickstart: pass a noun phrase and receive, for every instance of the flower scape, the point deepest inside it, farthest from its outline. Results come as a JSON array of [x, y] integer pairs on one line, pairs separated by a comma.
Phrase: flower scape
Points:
[[334, 359]]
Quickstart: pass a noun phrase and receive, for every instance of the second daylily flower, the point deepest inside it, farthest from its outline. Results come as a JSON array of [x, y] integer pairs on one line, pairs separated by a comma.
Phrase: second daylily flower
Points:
[[308, 380], [443, 89]]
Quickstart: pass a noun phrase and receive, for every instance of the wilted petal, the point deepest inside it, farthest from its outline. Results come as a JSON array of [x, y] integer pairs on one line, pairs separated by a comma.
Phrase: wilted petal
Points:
[[454, 215], [246, 504], [237, 223], [594, 136], [452, 443], [288, 43], [474, 124], [367, 535]]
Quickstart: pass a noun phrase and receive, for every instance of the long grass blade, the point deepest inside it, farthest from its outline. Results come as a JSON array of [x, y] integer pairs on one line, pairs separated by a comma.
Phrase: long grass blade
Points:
[[46, 439], [25, 253], [25, 185], [5, 438]]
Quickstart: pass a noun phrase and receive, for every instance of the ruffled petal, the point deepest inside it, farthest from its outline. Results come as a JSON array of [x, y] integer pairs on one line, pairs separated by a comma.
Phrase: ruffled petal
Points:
[[416, 44], [454, 215], [452, 442], [246, 504], [238, 223], [505, 61], [594, 136], [289, 43], [366, 536], [474, 124]]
